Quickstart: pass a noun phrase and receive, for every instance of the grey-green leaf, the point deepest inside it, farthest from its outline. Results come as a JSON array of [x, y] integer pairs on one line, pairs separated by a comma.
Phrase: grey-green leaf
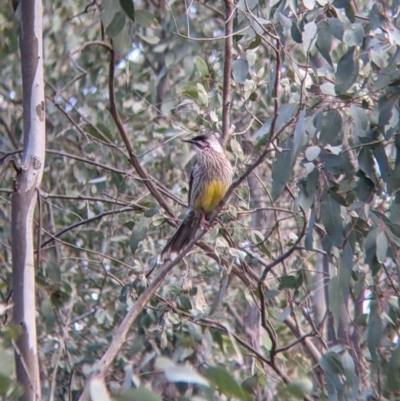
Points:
[[374, 331], [331, 125], [184, 374], [138, 233], [351, 377], [138, 394], [312, 153], [146, 19], [285, 113], [309, 36], [350, 13], [382, 160], [296, 33], [324, 41], [225, 383], [240, 68], [298, 132], [117, 24], [129, 8], [393, 371], [335, 300], [381, 246], [388, 116], [282, 168], [340, 3], [237, 149], [201, 66], [346, 72], [360, 119], [331, 218], [336, 28], [366, 163], [354, 35]]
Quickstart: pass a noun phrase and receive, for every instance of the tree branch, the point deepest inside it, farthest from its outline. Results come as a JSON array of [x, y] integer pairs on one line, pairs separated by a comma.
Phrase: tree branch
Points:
[[121, 130], [122, 331], [86, 221], [226, 90]]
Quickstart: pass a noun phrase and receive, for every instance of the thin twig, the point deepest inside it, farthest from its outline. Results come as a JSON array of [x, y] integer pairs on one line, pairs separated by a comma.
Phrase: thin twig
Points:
[[86, 221], [226, 89], [88, 250], [122, 331], [214, 324], [160, 186]]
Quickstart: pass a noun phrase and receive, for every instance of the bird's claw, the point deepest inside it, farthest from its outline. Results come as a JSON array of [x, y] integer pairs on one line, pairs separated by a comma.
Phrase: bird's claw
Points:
[[204, 223]]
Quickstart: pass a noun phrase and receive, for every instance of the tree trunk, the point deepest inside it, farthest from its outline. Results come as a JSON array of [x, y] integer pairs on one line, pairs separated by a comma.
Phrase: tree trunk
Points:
[[24, 199]]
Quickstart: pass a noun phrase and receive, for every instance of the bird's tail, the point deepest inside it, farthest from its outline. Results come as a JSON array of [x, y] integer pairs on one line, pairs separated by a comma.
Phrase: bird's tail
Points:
[[182, 236]]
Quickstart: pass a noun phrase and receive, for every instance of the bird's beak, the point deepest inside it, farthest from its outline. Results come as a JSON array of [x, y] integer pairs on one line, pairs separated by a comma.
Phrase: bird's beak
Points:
[[189, 141]]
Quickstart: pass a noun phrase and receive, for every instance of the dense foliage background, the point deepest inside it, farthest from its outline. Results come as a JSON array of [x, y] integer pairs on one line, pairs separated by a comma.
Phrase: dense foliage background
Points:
[[295, 291]]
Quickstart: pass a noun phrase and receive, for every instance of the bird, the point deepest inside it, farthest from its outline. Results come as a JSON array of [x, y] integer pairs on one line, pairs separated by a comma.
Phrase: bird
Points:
[[210, 178]]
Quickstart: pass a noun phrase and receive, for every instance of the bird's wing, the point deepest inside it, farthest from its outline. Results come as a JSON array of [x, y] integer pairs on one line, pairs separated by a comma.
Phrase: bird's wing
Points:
[[191, 180]]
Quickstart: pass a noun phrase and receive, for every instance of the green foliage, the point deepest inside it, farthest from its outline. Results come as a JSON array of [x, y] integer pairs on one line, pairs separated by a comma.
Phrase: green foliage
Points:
[[314, 83]]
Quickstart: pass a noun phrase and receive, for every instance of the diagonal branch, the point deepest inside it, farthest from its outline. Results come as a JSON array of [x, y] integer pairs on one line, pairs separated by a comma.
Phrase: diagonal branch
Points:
[[121, 130], [120, 335], [122, 331]]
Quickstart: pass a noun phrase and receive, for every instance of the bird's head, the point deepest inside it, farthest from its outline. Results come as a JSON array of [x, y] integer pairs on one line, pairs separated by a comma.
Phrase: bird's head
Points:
[[205, 143]]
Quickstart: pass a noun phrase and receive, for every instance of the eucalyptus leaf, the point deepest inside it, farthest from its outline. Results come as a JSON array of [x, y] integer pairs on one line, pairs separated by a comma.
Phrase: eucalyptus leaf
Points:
[[184, 374], [324, 41], [312, 153], [382, 160], [297, 36], [146, 19], [375, 331], [117, 24], [226, 384], [354, 35], [237, 149], [331, 125], [340, 3], [152, 40], [366, 163], [309, 36], [350, 13], [336, 28], [139, 232], [202, 95], [309, 4], [201, 66], [298, 388], [393, 371], [346, 72], [331, 218], [129, 8], [365, 187], [240, 69], [108, 11], [281, 168], [138, 394], [382, 246], [298, 132]]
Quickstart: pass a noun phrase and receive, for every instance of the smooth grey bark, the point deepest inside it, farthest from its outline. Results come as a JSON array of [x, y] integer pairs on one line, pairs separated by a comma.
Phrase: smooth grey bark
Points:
[[23, 202]]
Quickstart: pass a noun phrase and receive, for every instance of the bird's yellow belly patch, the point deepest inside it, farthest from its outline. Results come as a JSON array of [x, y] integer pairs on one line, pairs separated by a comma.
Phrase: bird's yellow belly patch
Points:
[[211, 196]]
